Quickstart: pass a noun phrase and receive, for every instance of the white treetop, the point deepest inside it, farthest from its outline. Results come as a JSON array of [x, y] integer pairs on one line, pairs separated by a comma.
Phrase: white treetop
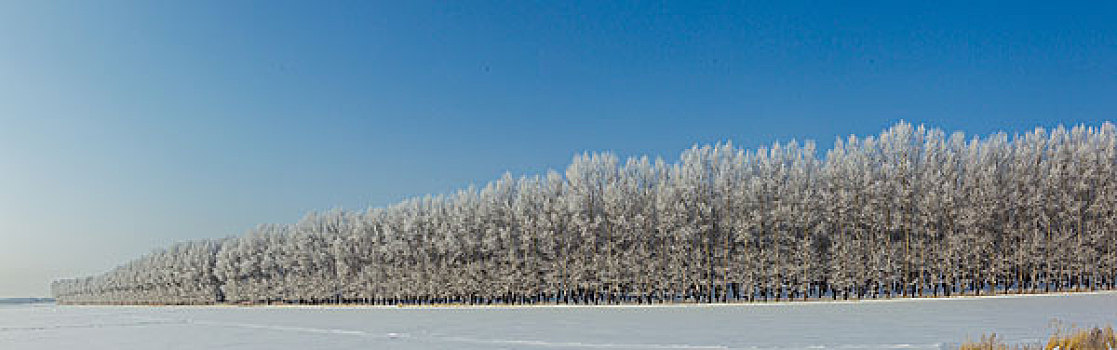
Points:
[[911, 211]]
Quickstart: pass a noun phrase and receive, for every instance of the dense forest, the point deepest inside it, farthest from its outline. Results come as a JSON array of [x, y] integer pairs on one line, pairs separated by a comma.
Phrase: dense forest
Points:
[[910, 212]]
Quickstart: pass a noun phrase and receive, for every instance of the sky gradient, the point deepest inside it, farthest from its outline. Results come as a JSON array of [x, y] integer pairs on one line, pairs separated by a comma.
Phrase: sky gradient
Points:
[[126, 126]]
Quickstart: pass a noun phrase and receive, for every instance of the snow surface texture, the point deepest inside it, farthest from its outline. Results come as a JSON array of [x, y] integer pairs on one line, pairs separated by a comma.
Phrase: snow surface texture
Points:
[[893, 324]]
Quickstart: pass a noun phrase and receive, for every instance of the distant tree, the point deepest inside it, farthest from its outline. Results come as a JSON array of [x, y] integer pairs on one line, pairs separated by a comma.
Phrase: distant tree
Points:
[[907, 212]]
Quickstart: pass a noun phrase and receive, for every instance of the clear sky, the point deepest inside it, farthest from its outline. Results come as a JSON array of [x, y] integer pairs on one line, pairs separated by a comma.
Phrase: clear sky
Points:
[[126, 126]]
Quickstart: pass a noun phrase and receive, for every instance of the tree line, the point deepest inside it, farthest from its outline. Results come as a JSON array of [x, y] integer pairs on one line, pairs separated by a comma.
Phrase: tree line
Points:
[[913, 211]]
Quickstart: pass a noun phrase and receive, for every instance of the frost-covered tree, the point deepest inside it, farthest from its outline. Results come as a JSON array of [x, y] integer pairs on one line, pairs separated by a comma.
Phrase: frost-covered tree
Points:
[[908, 212]]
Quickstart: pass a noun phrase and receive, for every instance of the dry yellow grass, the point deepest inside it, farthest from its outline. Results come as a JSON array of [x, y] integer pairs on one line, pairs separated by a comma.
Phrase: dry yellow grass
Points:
[[1087, 339], [1096, 338], [992, 343]]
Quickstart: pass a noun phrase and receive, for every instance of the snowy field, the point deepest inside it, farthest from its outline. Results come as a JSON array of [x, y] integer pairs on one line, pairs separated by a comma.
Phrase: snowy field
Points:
[[894, 324]]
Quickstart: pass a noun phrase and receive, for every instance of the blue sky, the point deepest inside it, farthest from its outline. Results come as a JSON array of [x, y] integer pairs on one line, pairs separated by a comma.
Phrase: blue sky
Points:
[[125, 126]]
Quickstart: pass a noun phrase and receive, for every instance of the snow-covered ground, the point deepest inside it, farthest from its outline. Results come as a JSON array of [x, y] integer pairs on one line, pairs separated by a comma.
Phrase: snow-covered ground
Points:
[[918, 324]]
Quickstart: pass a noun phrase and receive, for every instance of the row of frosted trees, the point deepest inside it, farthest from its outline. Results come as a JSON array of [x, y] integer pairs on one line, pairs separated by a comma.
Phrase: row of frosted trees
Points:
[[911, 212]]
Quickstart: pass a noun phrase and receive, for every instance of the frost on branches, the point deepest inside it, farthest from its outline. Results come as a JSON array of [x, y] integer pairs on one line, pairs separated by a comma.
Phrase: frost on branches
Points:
[[910, 212]]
